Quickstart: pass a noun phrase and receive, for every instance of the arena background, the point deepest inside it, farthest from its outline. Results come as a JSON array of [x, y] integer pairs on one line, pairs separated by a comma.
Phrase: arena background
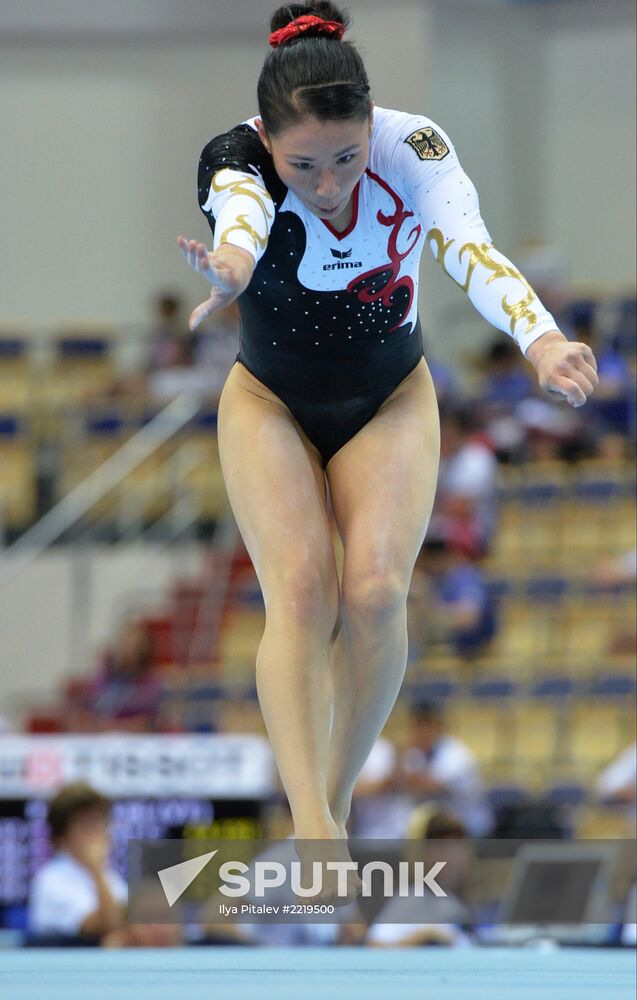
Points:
[[105, 109]]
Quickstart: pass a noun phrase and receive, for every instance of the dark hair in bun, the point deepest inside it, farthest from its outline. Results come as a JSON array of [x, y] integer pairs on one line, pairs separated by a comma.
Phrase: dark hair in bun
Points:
[[312, 74]]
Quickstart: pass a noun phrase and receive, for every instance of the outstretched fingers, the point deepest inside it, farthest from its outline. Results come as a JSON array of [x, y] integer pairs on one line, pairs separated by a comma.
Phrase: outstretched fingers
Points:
[[202, 261], [195, 253]]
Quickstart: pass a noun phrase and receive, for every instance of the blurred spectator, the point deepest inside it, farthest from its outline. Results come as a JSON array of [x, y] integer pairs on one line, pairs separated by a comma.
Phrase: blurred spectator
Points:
[[171, 342], [218, 346], [614, 449], [380, 809], [126, 689], [466, 499], [547, 270], [612, 401], [617, 784], [629, 929], [449, 602], [76, 894], [433, 765], [551, 429], [149, 900], [200, 365], [507, 378], [506, 381], [443, 376], [435, 835], [610, 573]]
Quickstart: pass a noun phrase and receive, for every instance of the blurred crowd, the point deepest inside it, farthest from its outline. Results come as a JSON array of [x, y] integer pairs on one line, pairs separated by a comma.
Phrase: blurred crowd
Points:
[[429, 785], [494, 418], [78, 898]]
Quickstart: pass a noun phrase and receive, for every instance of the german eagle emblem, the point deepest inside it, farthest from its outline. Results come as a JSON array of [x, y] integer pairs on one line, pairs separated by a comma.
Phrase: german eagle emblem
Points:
[[428, 144]]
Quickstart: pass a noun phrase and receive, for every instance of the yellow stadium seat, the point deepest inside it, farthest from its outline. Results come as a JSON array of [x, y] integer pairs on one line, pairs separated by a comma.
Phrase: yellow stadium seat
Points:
[[202, 475], [77, 376], [481, 725], [536, 733], [18, 496], [603, 823], [596, 732]]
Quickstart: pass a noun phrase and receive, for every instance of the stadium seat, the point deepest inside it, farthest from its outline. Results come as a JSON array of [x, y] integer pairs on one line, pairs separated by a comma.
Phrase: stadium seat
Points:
[[603, 823], [482, 725], [83, 367], [17, 381], [567, 794], [18, 475], [535, 732], [595, 733]]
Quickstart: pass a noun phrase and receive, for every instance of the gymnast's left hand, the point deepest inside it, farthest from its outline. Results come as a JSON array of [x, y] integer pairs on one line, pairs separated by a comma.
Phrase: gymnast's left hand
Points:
[[564, 368], [228, 269]]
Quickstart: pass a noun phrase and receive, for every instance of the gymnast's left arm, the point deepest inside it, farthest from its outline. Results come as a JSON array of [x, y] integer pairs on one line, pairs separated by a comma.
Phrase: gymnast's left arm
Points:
[[447, 203]]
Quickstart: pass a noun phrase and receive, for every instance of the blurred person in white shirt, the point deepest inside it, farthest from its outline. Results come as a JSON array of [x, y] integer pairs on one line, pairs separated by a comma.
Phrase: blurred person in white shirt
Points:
[[76, 894], [467, 480], [434, 835], [617, 783], [433, 765]]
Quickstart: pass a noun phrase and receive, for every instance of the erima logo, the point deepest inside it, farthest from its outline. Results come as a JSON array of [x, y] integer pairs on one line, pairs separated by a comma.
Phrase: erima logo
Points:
[[343, 262]]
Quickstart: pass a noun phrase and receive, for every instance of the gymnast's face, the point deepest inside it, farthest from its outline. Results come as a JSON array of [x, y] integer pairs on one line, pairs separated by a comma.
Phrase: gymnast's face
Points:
[[321, 162]]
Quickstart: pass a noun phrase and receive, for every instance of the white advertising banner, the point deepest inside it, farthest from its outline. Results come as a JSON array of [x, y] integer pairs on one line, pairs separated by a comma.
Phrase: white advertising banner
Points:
[[216, 766]]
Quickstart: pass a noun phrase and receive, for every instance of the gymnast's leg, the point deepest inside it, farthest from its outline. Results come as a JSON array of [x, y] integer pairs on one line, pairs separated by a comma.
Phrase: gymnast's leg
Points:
[[276, 486], [382, 485]]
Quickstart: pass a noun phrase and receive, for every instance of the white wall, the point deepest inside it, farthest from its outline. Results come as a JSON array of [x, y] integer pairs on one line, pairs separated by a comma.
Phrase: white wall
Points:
[[483, 66], [57, 613], [101, 139], [588, 141], [102, 144]]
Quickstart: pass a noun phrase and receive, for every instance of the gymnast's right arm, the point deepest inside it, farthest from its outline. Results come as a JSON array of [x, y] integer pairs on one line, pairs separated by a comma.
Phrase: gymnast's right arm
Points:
[[240, 212]]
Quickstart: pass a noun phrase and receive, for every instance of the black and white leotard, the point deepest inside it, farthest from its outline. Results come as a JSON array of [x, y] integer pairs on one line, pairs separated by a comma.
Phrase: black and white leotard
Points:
[[329, 321]]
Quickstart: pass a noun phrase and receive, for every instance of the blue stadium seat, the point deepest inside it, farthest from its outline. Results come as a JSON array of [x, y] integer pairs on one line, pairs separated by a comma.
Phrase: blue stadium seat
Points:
[[83, 347], [567, 794], [612, 686], [598, 491], [506, 795], [106, 422], [547, 588], [494, 687], [434, 690], [554, 687], [542, 493], [11, 426], [498, 587], [206, 421], [12, 347]]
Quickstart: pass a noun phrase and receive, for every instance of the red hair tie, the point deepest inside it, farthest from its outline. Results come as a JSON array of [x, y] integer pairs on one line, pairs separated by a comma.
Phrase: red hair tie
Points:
[[302, 24]]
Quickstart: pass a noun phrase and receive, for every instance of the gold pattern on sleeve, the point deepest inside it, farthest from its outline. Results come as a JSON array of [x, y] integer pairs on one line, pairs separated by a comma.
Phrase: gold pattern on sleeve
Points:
[[250, 189], [479, 254], [244, 226]]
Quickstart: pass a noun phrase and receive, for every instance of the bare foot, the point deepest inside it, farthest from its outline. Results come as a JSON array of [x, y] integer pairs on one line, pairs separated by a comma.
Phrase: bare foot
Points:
[[337, 886]]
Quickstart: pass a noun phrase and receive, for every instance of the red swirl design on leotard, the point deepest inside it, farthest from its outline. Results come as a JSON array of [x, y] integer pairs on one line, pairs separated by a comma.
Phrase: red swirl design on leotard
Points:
[[394, 282]]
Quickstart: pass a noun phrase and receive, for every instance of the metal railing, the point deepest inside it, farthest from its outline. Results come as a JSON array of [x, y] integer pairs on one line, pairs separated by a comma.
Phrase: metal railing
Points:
[[79, 501]]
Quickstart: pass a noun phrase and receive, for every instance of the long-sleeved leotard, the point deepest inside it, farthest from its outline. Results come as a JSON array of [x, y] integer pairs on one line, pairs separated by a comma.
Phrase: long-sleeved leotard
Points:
[[329, 321]]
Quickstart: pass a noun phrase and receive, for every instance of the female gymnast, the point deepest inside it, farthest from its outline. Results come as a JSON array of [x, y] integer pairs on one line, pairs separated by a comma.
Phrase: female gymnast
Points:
[[320, 208]]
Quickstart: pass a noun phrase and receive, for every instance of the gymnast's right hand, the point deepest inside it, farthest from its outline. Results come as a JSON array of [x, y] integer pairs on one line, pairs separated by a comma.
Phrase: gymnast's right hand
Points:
[[228, 269]]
